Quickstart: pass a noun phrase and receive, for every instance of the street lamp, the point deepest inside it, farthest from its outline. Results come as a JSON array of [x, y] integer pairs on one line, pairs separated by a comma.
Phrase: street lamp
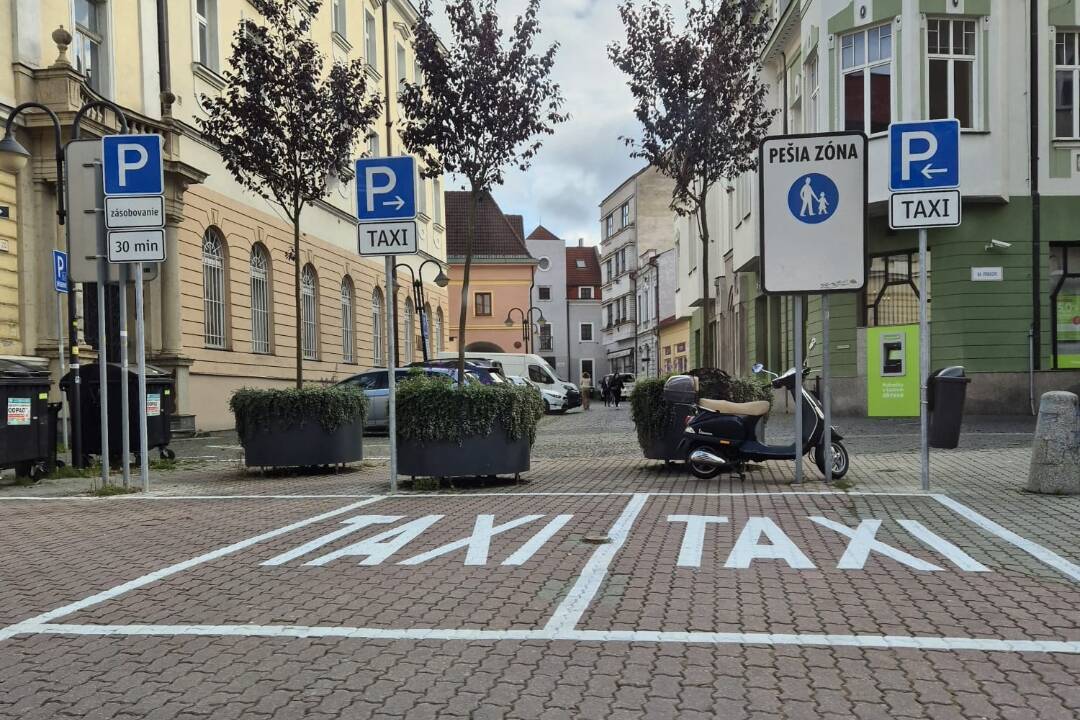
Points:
[[442, 281], [526, 318], [13, 158]]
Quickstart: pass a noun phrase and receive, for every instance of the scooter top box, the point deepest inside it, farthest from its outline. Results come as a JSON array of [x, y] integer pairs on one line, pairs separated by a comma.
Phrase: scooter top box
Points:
[[681, 389]]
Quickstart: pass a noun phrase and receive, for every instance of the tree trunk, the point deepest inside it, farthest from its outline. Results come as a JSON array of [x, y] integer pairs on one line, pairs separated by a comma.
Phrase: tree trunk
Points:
[[297, 301], [470, 231], [708, 358]]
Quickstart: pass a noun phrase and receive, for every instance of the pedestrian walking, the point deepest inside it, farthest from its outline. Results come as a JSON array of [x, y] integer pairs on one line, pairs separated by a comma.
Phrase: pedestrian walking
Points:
[[586, 390], [605, 391], [616, 389]]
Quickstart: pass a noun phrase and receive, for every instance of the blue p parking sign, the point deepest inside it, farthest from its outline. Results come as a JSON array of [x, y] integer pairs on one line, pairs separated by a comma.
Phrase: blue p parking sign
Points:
[[60, 271], [132, 165]]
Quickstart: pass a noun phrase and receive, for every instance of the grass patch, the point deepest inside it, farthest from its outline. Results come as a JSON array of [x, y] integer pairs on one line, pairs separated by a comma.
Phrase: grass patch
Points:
[[843, 484], [110, 490], [67, 471], [164, 464]]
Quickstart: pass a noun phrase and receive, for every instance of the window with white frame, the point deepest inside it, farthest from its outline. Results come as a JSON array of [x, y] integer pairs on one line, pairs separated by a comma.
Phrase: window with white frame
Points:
[[206, 33], [348, 323], [585, 332], [309, 308], [543, 292], [585, 293], [421, 192], [436, 203], [624, 214], [371, 43], [425, 328], [260, 300], [409, 330], [402, 67], [609, 225], [89, 42], [337, 16], [439, 346], [377, 334], [1066, 84], [950, 51], [744, 192], [866, 79], [811, 94], [794, 100], [373, 145], [215, 332]]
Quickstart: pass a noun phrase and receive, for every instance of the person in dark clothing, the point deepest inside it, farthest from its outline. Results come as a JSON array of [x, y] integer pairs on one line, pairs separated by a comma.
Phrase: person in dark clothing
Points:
[[605, 391], [616, 389]]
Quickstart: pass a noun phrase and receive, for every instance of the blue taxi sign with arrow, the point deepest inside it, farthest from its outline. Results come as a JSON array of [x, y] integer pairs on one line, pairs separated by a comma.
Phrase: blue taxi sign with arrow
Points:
[[924, 155], [385, 189]]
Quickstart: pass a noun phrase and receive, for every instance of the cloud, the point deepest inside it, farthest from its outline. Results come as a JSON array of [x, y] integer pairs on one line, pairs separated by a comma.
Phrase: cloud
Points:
[[585, 159]]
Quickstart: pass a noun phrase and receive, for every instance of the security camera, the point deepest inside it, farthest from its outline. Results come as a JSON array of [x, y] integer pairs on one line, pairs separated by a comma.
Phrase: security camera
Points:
[[997, 245]]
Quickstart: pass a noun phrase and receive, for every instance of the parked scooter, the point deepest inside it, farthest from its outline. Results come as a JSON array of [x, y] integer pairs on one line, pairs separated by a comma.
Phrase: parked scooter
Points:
[[724, 436]]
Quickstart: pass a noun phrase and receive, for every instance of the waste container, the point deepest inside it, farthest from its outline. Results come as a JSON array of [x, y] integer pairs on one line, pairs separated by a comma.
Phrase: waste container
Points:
[[159, 408], [26, 443], [945, 392]]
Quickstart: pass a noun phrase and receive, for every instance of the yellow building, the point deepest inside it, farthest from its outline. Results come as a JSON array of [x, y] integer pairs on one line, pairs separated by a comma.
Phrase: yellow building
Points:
[[221, 313], [674, 345]]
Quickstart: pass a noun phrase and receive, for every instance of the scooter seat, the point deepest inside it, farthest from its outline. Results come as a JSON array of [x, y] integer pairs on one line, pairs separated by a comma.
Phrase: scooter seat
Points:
[[757, 408]]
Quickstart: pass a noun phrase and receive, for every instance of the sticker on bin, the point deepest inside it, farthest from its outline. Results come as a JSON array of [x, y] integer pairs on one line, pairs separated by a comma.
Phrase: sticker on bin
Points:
[[18, 411], [153, 405], [43, 396]]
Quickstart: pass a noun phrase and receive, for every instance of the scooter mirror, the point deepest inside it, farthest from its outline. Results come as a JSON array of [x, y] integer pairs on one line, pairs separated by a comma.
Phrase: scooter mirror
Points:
[[758, 367], [812, 345]]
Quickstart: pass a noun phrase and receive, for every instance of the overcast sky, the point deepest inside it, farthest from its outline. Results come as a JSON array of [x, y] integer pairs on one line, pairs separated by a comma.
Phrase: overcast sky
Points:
[[584, 160]]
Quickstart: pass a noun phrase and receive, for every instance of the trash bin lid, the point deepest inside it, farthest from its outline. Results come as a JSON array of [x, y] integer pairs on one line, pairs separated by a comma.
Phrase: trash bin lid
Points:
[[90, 371], [10, 369], [954, 371]]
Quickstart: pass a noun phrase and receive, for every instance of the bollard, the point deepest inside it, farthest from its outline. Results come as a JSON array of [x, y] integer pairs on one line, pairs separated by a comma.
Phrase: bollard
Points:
[[1055, 456]]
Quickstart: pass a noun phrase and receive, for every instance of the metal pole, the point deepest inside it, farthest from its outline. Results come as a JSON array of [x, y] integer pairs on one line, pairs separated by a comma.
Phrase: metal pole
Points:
[[924, 367], [103, 355], [140, 359], [798, 390], [391, 380], [125, 407], [826, 393], [63, 370], [73, 347]]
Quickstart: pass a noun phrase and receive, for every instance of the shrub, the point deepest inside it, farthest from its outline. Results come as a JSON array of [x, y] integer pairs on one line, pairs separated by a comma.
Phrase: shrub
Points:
[[434, 409], [259, 410], [651, 413]]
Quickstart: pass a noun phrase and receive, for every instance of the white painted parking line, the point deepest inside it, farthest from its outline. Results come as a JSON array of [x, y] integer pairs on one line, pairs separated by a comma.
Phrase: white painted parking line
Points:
[[139, 582], [594, 636], [953, 554], [570, 610], [1037, 551]]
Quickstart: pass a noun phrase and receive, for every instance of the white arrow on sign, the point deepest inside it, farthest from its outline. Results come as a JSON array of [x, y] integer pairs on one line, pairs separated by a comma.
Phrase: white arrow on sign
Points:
[[397, 203], [929, 171]]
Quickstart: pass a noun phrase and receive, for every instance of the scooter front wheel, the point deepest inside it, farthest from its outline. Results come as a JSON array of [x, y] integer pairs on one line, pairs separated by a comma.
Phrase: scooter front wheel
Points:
[[840, 459], [705, 471]]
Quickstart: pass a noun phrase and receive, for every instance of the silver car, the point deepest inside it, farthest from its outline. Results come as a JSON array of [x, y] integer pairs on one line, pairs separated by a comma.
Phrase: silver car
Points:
[[374, 385]]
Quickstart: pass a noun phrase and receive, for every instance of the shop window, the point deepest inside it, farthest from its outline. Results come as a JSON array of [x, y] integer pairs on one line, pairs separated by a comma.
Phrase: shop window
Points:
[[1065, 305]]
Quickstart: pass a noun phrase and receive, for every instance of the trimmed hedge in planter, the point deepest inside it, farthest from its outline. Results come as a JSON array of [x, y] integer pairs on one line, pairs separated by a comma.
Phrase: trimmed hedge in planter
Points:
[[449, 431], [300, 427], [659, 424]]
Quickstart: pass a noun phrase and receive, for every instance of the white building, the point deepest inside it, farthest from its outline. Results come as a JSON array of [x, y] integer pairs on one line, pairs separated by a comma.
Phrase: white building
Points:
[[654, 284], [549, 295]]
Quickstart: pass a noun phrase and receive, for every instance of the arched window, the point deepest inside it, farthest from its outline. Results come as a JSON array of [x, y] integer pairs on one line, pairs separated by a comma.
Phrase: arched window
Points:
[[425, 324], [378, 359], [260, 299], [409, 329], [348, 322], [309, 307], [439, 346], [213, 268]]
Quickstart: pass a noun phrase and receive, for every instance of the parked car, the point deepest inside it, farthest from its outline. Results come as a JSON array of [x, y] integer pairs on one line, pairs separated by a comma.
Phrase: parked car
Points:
[[486, 372], [556, 398], [375, 386], [527, 365]]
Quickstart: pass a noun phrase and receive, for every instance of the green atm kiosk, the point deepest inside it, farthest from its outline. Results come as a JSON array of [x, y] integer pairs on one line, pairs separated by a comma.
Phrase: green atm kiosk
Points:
[[892, 371]]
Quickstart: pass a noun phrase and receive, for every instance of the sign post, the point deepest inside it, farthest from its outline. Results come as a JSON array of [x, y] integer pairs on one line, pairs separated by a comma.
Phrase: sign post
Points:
[[60, 284], [134, 184], [386, 211], [924, 177], [812, 204]]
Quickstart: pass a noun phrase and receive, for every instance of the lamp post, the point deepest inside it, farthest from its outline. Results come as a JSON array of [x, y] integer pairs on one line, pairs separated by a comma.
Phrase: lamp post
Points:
[[526, 322], [416, 304], [442, 281], [13, 158]]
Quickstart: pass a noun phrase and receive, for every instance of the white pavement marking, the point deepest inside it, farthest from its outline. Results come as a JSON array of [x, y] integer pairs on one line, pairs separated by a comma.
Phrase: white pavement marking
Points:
[[351, 525], [862, 540], [478, 543], [346, 496], [548, 634], [379, 547], [935, 542], [693, 540], [130, 585], [569, 612], [1037, 551], [747, 548], [526, 551]]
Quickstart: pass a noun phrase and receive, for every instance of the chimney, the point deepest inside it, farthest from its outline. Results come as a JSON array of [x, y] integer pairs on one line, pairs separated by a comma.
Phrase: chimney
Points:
[[581, 242]]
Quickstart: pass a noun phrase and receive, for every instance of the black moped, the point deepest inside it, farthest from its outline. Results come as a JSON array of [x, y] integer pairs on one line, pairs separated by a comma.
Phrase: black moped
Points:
[[723, 436]]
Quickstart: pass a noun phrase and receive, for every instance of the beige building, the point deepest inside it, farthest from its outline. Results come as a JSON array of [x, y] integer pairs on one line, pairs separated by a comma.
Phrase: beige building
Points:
[[220, 314]]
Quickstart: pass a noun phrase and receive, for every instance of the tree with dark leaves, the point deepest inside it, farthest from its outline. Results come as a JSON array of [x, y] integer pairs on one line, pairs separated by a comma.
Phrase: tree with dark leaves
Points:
[[700, 101], [483, 107], [284, 128]]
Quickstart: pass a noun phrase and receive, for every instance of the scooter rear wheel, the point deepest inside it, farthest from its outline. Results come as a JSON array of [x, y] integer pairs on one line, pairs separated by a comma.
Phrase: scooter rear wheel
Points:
[[699, 470], [840, 459]]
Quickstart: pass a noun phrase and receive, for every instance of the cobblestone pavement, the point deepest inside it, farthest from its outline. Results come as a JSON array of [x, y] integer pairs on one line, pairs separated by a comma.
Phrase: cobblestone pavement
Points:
[[605, 586]]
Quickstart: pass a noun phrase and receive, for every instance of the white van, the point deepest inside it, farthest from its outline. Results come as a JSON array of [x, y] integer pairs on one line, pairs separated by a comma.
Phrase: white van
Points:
[[533, 367]]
